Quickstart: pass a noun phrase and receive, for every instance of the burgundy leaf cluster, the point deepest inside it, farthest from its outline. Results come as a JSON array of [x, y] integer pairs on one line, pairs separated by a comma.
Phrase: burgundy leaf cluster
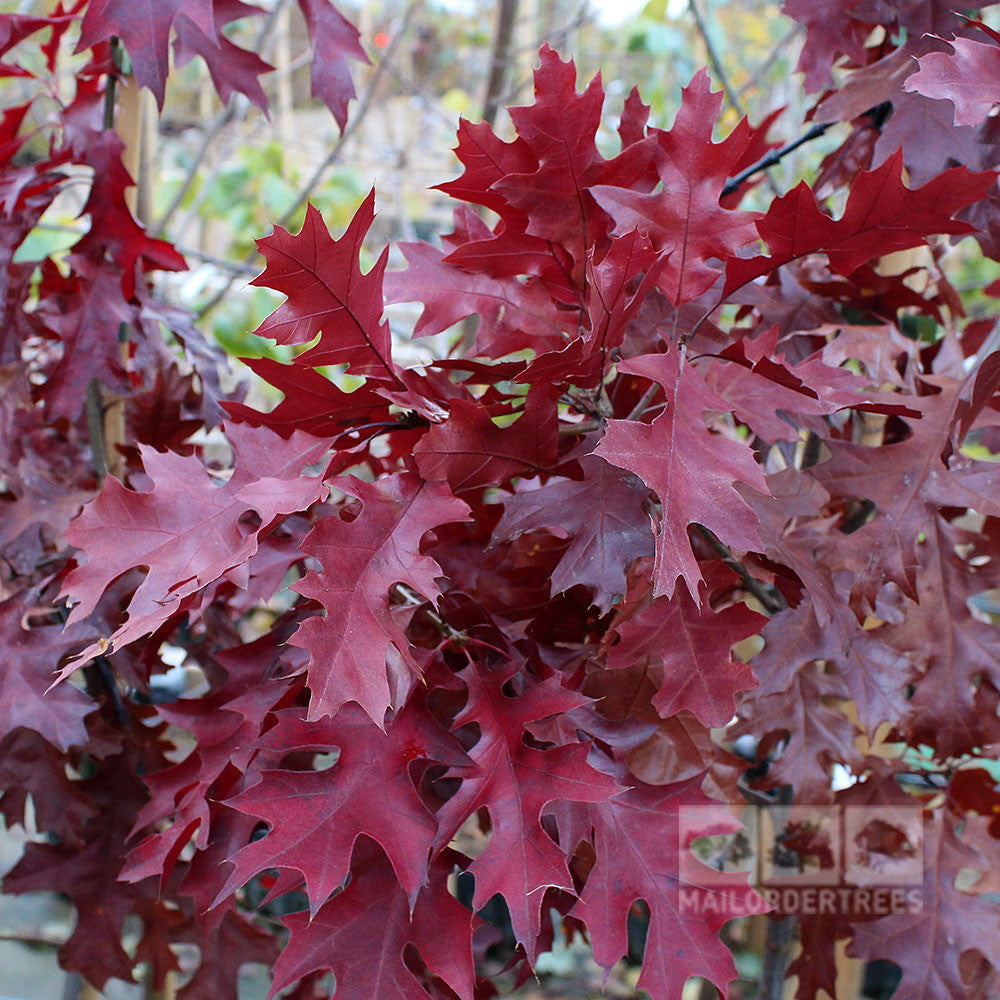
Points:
[[472, 637]]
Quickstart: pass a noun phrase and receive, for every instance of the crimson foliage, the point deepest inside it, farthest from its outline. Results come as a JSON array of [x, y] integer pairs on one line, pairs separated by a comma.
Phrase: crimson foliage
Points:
[[478, 616]]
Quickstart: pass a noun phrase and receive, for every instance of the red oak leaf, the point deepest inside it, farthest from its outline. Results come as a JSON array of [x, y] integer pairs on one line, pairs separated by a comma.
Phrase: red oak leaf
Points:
[[113, 229], [328, 295], [765, 389], [470, 451], [89, 874], [31, 767], [957, 654], [362, 560], [798, 700], [144, 29], [560, 130], [881, 217], [224, 949], [361, 934], [87, 317], [335, 40], [874, 674], [969, 77], [513, 314], [188, 531], [909, 482], [226, 726], [514, 782], [315, 817], [927, 942], [30, 650], [692, 645], [605, 516], [692, 471], [832, 32], [312, 402], [487, 159], [618, 285], [14, 28], [233, 70], [637, 839], [683, 217]]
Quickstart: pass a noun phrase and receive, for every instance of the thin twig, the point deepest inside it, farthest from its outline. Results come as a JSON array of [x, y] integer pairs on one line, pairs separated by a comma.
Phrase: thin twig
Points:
[[110, 85], [769, 597], [236, 136], [416, 91], [648, 396], [222, 119], [414, 599], [233, 266], [44, 940], [95, 429], [754, 78], [775, 156], [334, 155], [205, 258], [713, 58], [587, 427]]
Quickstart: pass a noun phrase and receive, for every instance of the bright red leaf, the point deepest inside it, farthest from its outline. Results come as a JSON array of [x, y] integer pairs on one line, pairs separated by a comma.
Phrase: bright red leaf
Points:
[[683, 217], [328, 295], [692, 648], [969, 76], [881, 217]]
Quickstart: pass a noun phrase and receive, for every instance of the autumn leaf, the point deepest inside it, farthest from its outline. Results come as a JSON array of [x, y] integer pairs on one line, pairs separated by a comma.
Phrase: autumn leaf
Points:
[[200, 537], [361, 561], [692, 471]]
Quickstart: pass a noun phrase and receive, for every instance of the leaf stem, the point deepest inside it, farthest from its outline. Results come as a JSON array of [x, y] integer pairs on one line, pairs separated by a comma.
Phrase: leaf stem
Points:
[[647, 397]]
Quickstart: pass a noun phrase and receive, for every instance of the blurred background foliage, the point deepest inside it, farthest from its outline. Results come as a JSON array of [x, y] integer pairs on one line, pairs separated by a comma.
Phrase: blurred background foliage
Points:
[[219, 176]]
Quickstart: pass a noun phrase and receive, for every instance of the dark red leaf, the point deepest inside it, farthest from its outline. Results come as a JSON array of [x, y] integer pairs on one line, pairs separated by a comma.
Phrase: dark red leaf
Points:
[[692, 471], [362, 560]]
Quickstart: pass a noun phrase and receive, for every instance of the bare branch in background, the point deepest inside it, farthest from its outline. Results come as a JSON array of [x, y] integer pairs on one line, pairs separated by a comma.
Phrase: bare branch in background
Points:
[[238, 104], [794, 32], [713, 58], [500, 61], [720, 72], [338, 147]]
